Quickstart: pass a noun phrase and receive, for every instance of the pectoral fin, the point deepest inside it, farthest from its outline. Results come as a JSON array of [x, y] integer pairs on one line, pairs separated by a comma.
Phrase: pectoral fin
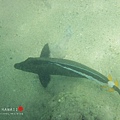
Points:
[[44, 79]]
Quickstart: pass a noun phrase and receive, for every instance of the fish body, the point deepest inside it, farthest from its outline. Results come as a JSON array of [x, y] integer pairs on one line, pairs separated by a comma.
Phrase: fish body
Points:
[[45, 66]]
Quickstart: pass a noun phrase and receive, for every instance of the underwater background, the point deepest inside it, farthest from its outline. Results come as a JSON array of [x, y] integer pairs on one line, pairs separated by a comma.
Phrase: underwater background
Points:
[[84, 31]]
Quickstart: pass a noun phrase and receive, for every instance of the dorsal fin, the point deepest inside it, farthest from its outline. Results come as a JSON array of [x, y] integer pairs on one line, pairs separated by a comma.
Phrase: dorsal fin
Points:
[[45, 51]]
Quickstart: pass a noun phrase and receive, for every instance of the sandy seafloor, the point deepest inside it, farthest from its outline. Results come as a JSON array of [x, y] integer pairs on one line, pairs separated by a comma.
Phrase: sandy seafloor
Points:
[[84, 31]]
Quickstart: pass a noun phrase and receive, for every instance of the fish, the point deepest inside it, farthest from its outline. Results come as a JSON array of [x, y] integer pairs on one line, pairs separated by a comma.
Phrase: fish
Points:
[[45, 66]]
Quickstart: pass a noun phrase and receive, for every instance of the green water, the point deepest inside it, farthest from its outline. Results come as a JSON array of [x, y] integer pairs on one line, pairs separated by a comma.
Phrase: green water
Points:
[[84, 31]]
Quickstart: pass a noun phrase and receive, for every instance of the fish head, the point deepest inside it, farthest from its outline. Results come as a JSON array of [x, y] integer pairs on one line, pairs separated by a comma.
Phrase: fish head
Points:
[[28, 65]]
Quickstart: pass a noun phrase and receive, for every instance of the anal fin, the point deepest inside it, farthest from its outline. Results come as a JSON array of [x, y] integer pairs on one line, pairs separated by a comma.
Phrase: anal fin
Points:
[[44, 79]]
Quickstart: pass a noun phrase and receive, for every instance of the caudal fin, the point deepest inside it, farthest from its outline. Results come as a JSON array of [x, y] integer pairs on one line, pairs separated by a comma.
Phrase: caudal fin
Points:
[[113, 85]]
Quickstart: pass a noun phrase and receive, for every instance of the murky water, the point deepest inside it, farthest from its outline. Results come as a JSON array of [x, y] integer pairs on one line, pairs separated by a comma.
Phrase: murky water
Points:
[[83, 31]]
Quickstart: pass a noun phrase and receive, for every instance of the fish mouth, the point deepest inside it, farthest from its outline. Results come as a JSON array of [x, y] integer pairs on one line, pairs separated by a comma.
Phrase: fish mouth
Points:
[[16, 66]]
